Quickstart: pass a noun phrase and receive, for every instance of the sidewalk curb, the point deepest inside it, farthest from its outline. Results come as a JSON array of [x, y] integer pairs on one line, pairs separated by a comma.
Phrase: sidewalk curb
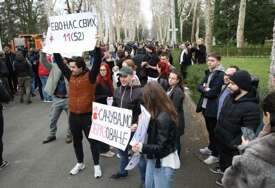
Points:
[[191, 106]]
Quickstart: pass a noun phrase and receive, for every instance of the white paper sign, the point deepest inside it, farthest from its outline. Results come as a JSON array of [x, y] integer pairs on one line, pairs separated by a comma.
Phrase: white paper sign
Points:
[[111, 125], [139, 136], [143, 122], [72, 33], [19, 42], [1, 49]]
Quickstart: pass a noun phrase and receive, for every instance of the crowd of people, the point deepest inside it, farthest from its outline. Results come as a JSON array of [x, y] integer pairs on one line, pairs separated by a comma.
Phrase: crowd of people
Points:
[[131, 74]]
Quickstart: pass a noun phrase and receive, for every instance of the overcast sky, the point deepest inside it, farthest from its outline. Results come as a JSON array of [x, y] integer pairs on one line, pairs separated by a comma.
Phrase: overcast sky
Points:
[[145, 7]]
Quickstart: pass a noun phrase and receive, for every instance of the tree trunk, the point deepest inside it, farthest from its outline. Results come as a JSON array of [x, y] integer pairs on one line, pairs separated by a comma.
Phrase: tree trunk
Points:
[[240, 28], [194, 19], [272, 65], [209, 24], [197, 28]]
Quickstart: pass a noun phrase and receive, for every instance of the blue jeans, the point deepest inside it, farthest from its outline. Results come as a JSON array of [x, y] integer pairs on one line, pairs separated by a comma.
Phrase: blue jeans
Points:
[[44, 81], [124, 160], [158, 177], [56, 109]]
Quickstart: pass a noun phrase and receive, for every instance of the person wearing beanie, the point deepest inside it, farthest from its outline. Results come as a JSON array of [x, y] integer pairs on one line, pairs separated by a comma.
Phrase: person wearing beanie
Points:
[[240, 114]]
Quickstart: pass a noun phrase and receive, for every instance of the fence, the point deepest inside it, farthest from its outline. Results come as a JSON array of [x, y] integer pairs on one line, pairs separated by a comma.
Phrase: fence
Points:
[[243, 52]]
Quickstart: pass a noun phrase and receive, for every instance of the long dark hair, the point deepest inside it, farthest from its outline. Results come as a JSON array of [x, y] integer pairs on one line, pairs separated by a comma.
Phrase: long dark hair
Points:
[[156, 100], [268, 105]]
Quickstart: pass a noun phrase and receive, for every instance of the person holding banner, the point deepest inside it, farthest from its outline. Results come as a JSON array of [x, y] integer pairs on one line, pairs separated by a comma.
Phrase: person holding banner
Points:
[[82, 83], [160, 149], [128, 96]]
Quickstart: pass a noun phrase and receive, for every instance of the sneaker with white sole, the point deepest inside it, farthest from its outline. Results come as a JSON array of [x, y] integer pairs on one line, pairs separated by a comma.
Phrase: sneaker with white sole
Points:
[[216, 170], [77, 168], [108, 154], [211, 160], [205, 151], [97, 171]]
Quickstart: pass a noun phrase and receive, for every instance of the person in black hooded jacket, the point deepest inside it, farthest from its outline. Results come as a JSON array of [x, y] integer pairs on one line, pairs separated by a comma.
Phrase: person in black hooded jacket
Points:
[[128, 96], [4, 97], [240, 110]]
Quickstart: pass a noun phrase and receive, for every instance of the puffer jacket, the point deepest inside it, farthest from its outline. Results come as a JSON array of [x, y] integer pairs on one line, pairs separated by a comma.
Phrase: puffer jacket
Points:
[[255, 168], [129, 97], [4, 94], [162, 133], [244, 112]]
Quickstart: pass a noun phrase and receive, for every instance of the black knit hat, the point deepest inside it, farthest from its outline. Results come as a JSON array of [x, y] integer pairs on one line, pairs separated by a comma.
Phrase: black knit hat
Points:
[[242, 79]]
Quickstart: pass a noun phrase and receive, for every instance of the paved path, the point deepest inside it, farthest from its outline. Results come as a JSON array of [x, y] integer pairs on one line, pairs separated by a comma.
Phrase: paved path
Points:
[[34, 165]]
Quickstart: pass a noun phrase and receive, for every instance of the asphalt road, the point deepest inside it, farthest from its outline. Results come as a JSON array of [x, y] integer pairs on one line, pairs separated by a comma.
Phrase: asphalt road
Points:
[[37, 165]]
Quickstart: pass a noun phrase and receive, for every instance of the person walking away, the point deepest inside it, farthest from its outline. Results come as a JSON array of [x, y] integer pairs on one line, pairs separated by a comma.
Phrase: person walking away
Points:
[[81, 97], [255, 166], [210, 89], [23, 72], [176, 94], [160, 148], [57, 87]]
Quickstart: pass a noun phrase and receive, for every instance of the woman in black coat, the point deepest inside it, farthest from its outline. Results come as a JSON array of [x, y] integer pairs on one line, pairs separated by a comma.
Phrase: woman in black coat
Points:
[[176, 94], [161, 143]]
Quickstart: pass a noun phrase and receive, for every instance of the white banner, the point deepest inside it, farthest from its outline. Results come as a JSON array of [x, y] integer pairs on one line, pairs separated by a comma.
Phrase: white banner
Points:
[[111, 125], [72, 33]]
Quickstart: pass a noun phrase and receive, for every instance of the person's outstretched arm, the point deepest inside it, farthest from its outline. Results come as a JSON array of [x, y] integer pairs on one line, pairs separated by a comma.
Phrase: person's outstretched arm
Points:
[[96, 65], [64, 68]]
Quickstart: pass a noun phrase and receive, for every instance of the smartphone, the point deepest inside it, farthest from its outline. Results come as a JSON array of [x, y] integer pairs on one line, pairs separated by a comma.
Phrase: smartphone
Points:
[[248, 134]]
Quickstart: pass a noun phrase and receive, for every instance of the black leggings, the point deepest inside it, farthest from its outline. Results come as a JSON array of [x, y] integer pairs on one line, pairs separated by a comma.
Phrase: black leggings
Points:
[[79, 123], [1, 134]]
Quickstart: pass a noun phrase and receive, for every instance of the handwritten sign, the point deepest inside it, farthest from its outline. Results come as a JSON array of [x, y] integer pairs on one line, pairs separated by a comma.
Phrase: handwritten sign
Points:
[[72, 33], [111, 125]]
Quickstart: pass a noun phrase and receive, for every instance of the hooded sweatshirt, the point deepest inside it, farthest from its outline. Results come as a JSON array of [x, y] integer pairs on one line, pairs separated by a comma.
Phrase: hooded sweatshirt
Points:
[[255, 168]]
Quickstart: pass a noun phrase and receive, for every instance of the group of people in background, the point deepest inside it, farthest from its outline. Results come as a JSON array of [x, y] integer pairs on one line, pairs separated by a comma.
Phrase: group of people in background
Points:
[[128, 75], [240, 142]]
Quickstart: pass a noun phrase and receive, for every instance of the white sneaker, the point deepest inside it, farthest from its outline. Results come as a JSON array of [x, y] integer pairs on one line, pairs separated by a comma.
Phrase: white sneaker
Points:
[[97, 171], [108, 154], [205, 151], [211, 160], [77, 168]]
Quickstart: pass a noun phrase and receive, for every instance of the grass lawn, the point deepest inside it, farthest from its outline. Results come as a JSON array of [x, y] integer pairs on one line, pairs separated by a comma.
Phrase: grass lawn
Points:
[[255, 66]]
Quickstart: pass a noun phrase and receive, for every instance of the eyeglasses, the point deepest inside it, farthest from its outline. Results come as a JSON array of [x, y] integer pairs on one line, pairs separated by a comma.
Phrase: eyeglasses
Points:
[[102, 70]]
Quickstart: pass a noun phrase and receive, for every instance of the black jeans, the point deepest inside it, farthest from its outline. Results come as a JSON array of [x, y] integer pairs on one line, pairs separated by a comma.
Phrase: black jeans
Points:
[[1, 134], [210, 125], [79, 123], [226, 156]]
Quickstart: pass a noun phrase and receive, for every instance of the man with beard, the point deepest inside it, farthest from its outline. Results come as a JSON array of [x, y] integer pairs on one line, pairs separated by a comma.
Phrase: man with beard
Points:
[[240, 110]]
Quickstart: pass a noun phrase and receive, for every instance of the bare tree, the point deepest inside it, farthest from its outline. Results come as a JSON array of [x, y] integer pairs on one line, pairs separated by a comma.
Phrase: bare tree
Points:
[[210, 7], [241, 21], [272, 65]]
